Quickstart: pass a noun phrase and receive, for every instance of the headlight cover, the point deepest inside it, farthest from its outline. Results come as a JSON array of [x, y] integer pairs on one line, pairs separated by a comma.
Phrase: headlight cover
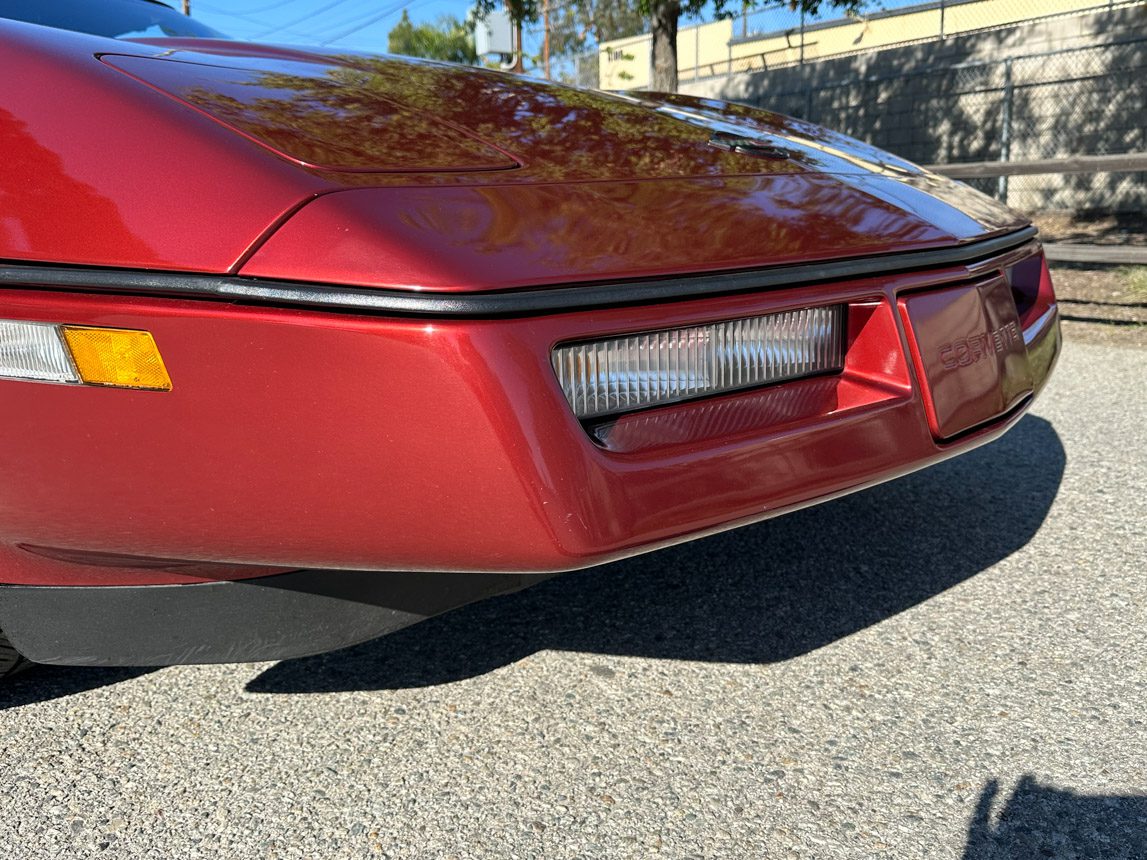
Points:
[[636, 371]]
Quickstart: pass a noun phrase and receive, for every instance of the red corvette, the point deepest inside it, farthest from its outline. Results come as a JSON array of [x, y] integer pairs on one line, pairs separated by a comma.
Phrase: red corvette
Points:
[[273, 321]]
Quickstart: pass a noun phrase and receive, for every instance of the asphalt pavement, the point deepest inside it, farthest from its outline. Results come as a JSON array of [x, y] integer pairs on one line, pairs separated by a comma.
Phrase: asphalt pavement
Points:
[[952, 665]]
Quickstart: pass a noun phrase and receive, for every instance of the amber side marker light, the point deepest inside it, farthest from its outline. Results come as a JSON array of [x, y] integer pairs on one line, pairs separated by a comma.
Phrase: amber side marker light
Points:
[[117, 357], [81, 355]]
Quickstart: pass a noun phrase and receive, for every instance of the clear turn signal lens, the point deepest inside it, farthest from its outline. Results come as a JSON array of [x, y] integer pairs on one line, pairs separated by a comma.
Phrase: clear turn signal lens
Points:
[[30, 350], [651, 368]]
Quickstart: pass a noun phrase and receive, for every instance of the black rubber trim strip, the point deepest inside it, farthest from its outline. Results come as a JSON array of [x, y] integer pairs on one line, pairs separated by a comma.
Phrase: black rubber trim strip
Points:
[[497, 304], [266, 618]]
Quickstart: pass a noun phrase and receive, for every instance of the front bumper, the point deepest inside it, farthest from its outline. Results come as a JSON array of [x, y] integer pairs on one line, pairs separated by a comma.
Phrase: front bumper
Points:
[[302, 439], [142, 527]]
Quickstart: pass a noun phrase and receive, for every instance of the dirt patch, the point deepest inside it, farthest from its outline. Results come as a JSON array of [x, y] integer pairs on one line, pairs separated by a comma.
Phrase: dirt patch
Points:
[[1092, 228], [1102, 304]]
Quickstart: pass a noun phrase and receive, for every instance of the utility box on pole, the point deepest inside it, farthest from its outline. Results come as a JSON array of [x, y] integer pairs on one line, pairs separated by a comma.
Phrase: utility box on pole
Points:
[[494, 34]]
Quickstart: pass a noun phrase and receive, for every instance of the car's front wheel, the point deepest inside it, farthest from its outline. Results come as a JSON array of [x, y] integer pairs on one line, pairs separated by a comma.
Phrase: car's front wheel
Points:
[[11, 661]]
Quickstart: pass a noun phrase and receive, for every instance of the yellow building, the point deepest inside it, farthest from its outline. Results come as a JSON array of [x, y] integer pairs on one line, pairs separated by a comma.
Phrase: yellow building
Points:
[[712, 49]]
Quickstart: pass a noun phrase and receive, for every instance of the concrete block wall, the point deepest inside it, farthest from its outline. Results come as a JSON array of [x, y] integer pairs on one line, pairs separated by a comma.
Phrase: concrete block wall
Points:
[[1078, 85]]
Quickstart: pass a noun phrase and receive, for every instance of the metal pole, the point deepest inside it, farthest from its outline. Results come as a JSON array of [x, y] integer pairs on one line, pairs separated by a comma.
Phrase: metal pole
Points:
[[802, 35], [187, 7], [1005, 130], [941, 20]]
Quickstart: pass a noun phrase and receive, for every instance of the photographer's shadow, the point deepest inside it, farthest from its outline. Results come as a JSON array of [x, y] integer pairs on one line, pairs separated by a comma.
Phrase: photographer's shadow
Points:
[[760, 594], [1038, 821]]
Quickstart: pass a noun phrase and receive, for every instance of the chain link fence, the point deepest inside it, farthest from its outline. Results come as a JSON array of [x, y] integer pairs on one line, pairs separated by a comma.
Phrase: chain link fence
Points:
[[1090, 100], [914, 80], [585, 71]]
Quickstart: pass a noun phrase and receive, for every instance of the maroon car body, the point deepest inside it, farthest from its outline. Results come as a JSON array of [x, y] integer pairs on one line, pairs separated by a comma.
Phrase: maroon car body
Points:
[[356, 270]]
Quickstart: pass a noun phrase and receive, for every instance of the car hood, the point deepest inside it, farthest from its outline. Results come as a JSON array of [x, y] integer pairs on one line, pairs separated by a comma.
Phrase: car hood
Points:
[[388, 172], [471, 179], [364, 114], [370, 114]]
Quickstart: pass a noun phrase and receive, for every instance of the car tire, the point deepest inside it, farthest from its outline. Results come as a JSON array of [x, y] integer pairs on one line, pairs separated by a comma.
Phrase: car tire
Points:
[[11, 661]]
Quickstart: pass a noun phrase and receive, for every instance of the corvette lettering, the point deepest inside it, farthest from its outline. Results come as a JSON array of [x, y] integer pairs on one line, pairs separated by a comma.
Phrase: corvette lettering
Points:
[[968, 350]]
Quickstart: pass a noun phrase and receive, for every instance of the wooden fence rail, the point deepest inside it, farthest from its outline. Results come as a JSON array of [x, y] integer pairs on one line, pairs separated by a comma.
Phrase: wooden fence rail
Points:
[[1130, 161]]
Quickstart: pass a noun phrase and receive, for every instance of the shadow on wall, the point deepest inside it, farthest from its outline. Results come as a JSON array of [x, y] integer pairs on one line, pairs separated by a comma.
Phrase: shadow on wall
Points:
[[755, 595], [906, 100], [959, 101], [1038, 821], [1092, 102]]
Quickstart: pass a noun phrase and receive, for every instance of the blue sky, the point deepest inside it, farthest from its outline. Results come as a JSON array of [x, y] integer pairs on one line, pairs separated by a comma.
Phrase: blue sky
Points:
[[358, 24]]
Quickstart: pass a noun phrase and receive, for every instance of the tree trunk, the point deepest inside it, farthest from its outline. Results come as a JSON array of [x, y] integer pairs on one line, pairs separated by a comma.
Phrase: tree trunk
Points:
[[663, 25]]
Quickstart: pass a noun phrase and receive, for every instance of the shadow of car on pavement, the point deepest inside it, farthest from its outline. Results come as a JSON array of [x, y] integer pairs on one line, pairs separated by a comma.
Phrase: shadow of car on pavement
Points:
[[760, 594], [44, 683]]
